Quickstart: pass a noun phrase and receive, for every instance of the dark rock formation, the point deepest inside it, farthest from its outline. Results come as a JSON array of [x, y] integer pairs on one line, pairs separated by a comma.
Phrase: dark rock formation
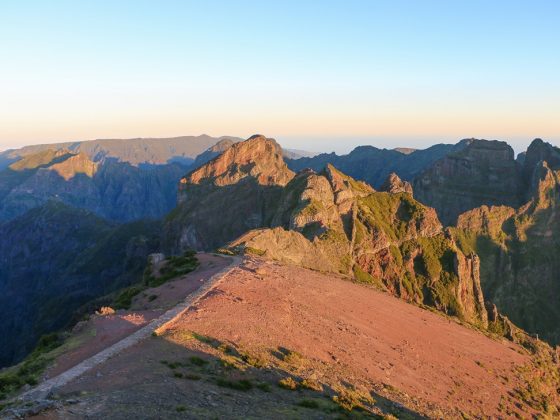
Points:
[[519, 248], [233, 193], [394, 184], [483, 173], [373, 165]]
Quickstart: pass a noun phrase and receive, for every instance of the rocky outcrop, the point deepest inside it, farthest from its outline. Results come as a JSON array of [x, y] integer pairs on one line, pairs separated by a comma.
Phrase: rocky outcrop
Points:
[[257, 159], [469, 290], [393, 184], [518, 251], [537, 152], [212, 152], [483, 173], [237, 191]]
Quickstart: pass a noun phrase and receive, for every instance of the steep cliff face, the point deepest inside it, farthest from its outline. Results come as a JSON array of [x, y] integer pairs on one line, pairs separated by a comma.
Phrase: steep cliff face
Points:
[[55, 258], [233, 193], [114, 190], [483, 173], [519, 252]]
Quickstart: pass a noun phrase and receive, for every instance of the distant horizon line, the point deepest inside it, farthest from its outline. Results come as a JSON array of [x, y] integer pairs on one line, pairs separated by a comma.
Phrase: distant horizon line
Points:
[[367, 141]]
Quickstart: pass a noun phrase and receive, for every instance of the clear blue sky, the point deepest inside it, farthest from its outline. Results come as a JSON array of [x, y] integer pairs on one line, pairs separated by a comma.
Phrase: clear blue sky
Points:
[[317, 75]]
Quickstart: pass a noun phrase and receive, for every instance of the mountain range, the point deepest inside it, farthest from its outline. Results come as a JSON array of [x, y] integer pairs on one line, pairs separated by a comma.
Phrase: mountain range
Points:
[[466, 230]]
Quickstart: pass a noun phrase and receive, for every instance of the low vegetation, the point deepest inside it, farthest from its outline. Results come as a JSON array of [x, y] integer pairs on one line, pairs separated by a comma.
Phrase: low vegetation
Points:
[[29, 371], [174, 266]]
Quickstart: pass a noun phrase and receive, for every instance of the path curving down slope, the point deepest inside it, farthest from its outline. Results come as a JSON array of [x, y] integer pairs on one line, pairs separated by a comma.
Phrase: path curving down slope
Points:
[[46, 388]]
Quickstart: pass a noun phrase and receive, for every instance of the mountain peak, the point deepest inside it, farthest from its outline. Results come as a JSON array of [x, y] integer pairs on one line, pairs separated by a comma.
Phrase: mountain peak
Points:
[[257, 158]]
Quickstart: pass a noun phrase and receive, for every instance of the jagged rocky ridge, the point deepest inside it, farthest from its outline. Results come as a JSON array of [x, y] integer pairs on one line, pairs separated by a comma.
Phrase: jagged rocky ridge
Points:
[[121, 180], [328, 221], [482, 173], [373, 165]]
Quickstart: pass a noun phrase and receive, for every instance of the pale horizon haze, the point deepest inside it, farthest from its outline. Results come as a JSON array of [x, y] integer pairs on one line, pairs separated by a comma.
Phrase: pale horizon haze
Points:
[[315, 75]]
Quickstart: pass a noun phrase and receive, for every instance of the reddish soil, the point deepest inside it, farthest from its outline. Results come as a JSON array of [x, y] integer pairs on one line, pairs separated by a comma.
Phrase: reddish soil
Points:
[[172, 292], [408, 358], [371, 334], [101, 332]]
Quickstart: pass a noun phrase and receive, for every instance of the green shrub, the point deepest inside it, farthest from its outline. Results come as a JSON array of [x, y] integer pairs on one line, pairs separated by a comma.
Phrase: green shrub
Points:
[[124, 299], [308, 404], [288, 383], [197, 361], [240, 385], [30, 369], [175, 266]]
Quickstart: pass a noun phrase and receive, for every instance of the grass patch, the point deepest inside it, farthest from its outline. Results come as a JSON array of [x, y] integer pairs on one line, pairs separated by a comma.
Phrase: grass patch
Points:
[[29, 371], [239, 385], [350, 399], [253, 360], [312, 385], [263, 386], [308, 404], [124, 299], [197, 361], [288, 383], [175, 266]]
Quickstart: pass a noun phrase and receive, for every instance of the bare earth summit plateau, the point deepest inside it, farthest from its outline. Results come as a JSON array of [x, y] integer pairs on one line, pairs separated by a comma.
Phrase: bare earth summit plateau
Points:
[[278, 341]]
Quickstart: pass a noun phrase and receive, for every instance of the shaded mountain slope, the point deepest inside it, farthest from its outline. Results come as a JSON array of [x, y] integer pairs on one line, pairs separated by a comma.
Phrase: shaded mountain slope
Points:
[[114, 190], [373, 165], [55, 258]]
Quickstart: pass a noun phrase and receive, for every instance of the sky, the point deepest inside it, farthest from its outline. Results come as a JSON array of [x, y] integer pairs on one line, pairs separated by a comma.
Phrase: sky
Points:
[[315, 75]]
